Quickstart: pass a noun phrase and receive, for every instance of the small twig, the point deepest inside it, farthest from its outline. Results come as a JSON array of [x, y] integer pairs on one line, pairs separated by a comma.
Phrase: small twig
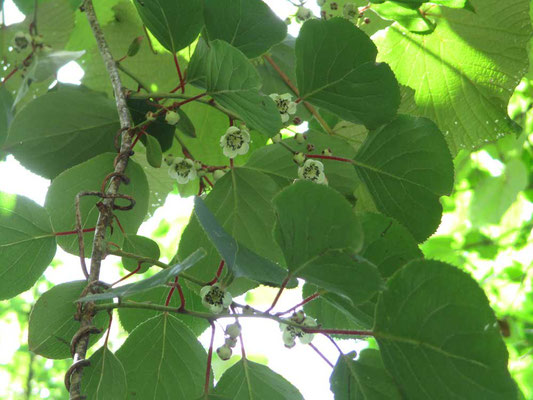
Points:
[[182, 83], [110, 313], [209, 358], [139, 264], [218, 273], [141, 84], [285, 282], [334, 343], [305, 301], [321, 355]]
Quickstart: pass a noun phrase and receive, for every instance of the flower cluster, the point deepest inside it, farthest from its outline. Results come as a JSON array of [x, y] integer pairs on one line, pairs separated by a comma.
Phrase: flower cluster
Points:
[[235, 141], [215, 298], [233, 331], [291, 332], [284, 104]]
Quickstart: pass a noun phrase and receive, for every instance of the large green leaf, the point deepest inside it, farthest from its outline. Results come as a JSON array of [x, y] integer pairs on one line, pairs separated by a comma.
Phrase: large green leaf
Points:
[[175, 23], [239, 260], [406, 167], [130, 318], [27, 244], [234, 83], [448, 68], [248, 380], [363, 379], [88, 176], [61, 129], [104, 378], [311, 220], [241, 201], [160, 279], [336, 69], [52, 324], [163, 360], [249, 25], [343, 273], [438, 336]]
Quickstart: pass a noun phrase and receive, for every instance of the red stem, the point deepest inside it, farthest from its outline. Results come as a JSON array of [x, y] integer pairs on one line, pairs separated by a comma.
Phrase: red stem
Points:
[[321, 355], [171, 291], [73, 232], [217, 275], [231, 162], [279, 293], [322, 157], [338, 331], [13, 71], [208, 181], [182, 297], [108, 328], [122, 59], [209, 358], [305, 301], [182, 83], [176, 105], [141, 133], [120, 225], [130, 274]]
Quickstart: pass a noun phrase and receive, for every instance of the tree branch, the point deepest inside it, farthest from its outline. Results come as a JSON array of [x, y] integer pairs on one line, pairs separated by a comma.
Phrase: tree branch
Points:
[[106, 214]]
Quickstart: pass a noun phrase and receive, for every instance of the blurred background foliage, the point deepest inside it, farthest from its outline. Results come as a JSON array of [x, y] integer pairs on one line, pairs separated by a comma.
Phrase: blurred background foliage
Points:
[[485, 230]]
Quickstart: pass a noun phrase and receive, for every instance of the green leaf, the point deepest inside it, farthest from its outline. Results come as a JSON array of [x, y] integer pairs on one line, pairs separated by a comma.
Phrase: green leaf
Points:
[[88, 176], [104, 378], [312, 219], [163, 360], [239, 260], [6, 113], [248, 380], [343, 273], [175, 23], [141, 246], [412, 19], [468, 105], [27, 244], [336, 312], [185, 124], [160, 279], [52, 324], [48, 62], [438, 336], [130, 318], [249, 25], [363, 379], [61, 129], [406, 167], [336, 70], [154, 155], [494, 195], [387, 244], [234, 83], [241, 199]]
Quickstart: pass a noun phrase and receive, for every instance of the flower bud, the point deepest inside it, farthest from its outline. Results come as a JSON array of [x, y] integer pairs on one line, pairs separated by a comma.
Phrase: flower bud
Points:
[[233, 330], [135, 45], [299, 158], [321, 2], [300, 138], [298, 317], [327, 152], [172, 117], [334, 6], [219, 173], [198, 165], [230, 342], [150, 116], [310, 147], [303, 14], [276, 138], [224, 353], [296, 121]]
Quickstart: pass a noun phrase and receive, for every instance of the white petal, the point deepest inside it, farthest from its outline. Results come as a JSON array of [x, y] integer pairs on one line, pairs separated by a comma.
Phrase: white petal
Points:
[[229, 152], [285, 96], [274, 96], [284, 117], [182, 179], [244, 149], [321, 178], [204, 290], [172, 172], [192, 174], [223, 140], [227, 300], [216, 308], [232, 129], [292, 108], [245, 135], [301, 172], [307, 338]]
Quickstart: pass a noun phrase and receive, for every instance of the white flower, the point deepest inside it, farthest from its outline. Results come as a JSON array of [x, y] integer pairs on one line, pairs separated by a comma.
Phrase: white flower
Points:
[[290, 332], [235, 141], [312, 170], [182, 169], [303, 14], [172, 117], [215, 298], [284, 104]]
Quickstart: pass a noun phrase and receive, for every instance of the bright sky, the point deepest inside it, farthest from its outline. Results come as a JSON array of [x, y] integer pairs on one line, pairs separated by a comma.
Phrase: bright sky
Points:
[[300, 365]]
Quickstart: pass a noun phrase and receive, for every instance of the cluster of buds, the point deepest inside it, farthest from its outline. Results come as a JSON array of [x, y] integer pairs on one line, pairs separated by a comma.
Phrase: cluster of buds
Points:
[[215, 298], [233, 331], [286, 106], [235, 141], [291, 332]]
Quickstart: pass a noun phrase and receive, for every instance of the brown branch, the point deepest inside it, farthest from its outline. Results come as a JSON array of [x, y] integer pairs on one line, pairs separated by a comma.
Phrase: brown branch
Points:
[[105, 216]]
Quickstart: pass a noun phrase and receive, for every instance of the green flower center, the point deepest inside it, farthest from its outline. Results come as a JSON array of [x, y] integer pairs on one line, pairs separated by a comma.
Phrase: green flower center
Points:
[[182, 168], [283, 105], [234, 141], [311, 172], [215, 296]]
